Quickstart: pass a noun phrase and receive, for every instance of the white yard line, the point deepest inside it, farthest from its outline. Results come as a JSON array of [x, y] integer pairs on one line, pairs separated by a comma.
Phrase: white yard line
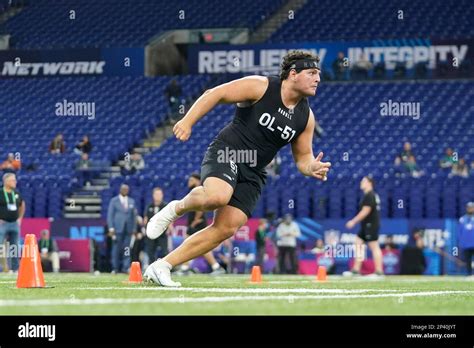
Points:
[[242, 290], [182, 299]]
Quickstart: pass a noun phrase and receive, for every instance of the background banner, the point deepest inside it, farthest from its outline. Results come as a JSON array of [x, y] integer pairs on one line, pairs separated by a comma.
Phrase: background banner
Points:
[[266, 58], [79, 229], [439, 236], [73, 62], [34, 226]]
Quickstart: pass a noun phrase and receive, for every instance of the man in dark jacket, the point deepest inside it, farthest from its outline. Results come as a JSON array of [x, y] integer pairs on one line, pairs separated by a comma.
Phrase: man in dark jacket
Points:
[[466, 236]]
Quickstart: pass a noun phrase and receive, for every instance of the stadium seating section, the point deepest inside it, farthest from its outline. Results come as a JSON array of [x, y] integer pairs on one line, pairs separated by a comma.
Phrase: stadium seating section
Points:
[[29, 123], [332, 19], [369, 19], [47, 24]]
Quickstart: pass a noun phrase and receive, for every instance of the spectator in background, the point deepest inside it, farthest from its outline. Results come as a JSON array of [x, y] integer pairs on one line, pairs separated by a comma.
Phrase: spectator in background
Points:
[[466, 236], [138, 241], [361, 67], [391, 257], [260, 241], [83, 146], [406, 162], [197, 221], [399, 169], [339, 66], [389, 245], [379, 70], [83, 167], [12, 209], [412, 259], [134, 164], [287, 233], [122, 221], [11, 164], [49, 252], [406, 153], [223, 255], [448, 159], [318, 247], [272, 224], [460, 168], [323, 257], [159, 244], [273, 168], [399, 72], [57, 145], [173, 93], [84, 162], [412, 167]]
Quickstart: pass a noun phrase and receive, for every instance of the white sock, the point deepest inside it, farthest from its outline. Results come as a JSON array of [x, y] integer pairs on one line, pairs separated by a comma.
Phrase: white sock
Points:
[[173, 210], [184, 268], [215, 266]]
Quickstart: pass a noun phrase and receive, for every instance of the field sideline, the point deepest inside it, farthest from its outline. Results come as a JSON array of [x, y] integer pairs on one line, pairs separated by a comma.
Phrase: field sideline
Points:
[[82, 294]]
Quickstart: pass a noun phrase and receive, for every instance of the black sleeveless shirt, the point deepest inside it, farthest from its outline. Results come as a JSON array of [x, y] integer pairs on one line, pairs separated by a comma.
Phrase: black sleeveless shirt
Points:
[[266, 126]]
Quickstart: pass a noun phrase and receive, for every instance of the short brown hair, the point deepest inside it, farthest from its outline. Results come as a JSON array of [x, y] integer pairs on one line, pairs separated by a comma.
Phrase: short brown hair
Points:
[[290, 58], [195, 176], [370, 179]]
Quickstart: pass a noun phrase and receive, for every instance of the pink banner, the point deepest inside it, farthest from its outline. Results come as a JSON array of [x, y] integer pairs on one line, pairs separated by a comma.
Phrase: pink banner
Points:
[[310, 266], [307, 267], [74, 254], [34, 226]]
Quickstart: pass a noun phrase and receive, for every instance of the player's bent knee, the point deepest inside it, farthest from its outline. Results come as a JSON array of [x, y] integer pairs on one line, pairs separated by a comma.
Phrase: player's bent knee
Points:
[[216, 201], [225, 232], [229, 232]]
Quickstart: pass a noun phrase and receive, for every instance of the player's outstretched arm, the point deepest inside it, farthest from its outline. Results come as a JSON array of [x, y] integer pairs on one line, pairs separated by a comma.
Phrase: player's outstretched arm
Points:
[[247, 89], [302, 148]]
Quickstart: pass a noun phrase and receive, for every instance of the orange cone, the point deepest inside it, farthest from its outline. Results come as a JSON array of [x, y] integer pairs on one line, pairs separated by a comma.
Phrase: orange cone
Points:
[[322, 274], [256, 275], [135, 273], [30, 274]]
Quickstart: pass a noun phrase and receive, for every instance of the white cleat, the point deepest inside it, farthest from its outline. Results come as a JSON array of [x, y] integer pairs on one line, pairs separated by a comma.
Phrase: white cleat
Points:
[[217, 272], [159, 273], [159, 223], [350, 274]]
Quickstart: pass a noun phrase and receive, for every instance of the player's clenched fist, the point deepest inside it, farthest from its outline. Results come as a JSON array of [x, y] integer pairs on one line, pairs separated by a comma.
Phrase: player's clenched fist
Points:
[[182, 130]]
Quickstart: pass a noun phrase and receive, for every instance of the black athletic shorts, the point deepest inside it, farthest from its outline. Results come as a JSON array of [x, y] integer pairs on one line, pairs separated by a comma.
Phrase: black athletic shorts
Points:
[[368, 233], [246, 181]]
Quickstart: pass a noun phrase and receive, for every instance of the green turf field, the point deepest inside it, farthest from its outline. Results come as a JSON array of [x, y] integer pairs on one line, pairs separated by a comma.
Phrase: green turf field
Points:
[[233, 294]]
